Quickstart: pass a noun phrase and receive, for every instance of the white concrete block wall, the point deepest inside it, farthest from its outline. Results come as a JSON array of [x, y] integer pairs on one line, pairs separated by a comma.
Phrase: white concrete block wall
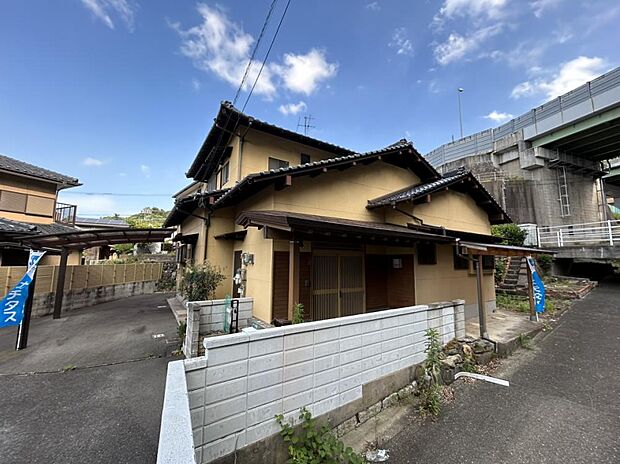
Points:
[[204, 317], [251, 376]]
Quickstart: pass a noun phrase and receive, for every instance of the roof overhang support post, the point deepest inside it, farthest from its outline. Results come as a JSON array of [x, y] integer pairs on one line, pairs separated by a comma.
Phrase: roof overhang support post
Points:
[[293, 276], [482, 313], [60, 283]]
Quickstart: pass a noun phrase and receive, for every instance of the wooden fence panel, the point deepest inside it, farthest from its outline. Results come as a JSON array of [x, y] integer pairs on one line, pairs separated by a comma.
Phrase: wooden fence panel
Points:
[[79, 276], [108, 274]]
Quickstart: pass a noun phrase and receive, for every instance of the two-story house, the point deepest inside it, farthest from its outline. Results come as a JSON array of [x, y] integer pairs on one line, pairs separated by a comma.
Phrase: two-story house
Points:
[[29, 205], [299, 220]]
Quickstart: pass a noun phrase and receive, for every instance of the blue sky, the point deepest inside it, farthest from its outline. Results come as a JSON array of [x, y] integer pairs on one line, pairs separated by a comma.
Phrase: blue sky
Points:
[[121, 93]]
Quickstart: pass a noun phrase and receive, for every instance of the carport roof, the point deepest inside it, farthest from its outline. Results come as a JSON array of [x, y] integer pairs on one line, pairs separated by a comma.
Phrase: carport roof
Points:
[[80, 239]]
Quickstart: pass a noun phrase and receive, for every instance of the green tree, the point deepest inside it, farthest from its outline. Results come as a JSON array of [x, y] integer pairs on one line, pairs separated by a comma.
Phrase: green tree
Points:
[[511, 234], [150, 217]]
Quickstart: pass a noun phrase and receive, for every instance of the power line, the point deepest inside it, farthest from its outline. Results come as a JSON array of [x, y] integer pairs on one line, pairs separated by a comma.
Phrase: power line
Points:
[[258, 40], [266, 55], [247, 68]]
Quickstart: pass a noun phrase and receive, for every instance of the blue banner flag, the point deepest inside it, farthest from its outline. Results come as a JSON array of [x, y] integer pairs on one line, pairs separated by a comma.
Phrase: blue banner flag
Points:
[[13, 304], [538, 287]]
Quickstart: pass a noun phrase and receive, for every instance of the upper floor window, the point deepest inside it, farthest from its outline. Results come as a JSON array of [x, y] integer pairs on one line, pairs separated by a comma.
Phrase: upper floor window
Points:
[[212, 182], [275, 163], [224, 173], [305, 158]]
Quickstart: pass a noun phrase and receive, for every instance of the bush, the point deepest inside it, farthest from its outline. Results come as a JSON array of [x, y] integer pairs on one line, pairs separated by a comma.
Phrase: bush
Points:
[[298, 313], [545, 262], [313, 444], [431, 391], [500, 269], [200, 282], [511, 234]]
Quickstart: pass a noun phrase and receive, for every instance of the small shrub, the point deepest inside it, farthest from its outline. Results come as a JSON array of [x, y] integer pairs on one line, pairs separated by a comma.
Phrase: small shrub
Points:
[[511, 234], [431, 391], [500, 270], [313, 444], [545, 262], [298, 313], [200, 282]]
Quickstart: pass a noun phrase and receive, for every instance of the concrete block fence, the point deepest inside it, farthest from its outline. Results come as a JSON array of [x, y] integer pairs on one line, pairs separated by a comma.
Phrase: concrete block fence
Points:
[[245, 379], [207, 317]]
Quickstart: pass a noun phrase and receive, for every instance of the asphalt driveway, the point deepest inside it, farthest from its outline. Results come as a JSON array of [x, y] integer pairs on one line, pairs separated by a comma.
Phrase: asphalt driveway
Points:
[[89, 387], [562, 406]]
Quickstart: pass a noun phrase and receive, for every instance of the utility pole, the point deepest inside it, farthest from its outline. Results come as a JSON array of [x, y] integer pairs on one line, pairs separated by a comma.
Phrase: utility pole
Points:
[[459, 92]]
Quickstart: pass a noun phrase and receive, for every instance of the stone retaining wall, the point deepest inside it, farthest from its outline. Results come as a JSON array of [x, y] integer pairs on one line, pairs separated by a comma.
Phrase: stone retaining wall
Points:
[[335, 368], [43, 303]]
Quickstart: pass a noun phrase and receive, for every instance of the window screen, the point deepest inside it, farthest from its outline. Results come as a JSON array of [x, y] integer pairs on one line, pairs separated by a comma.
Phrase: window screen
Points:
[[305, 158], [488, 263], [275, 163], [427, 253], [13, 201], [40, 205]]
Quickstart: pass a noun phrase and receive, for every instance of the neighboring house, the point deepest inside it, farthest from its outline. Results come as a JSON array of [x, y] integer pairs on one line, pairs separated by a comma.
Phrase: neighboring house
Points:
[[296, 219], [100, 252], [28, 205]]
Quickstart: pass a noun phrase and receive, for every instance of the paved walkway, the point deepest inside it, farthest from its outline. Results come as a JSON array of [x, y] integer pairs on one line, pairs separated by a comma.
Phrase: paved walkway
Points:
[[106, 410], [563, 404]]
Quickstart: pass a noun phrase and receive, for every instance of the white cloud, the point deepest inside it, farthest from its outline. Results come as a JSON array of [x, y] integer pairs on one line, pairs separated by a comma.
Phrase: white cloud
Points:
[[498, 117], [105, 9], [458, 46], [196, 84], [303, 73], [292, 108], [145, 170], [222, 47], [92, 162], [401, 42], [374, 6], [571, 74], [539, 6], [474, 9]]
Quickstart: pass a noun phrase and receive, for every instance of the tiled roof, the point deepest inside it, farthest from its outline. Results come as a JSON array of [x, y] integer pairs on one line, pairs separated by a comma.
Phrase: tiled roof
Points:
[[20, 167], [15, 227], [226, 122], [8, 226], [301, 168], [416, 191], [461, 180]]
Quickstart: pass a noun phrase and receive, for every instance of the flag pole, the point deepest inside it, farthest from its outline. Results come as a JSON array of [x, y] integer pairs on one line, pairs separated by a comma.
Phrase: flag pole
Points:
[[24, 326], [530, 288]]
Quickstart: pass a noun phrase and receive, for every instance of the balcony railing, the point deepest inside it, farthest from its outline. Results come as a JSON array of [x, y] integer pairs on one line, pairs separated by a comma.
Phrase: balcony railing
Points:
[[65, 213]]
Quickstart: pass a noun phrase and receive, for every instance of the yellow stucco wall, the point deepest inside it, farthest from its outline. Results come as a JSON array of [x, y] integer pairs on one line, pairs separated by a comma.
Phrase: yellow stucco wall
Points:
[[454, 210], [258, 147], [344, 194], [441, 282]]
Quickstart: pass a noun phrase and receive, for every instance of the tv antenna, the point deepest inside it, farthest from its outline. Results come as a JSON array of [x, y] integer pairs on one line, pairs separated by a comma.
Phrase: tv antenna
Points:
[[306, 124]]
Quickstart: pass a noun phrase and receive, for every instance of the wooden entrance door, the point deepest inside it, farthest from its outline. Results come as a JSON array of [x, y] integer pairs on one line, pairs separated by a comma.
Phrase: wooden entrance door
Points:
[[338, 285]]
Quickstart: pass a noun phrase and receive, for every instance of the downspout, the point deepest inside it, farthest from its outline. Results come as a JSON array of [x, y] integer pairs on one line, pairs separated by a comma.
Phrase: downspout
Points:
[[205, 228]]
